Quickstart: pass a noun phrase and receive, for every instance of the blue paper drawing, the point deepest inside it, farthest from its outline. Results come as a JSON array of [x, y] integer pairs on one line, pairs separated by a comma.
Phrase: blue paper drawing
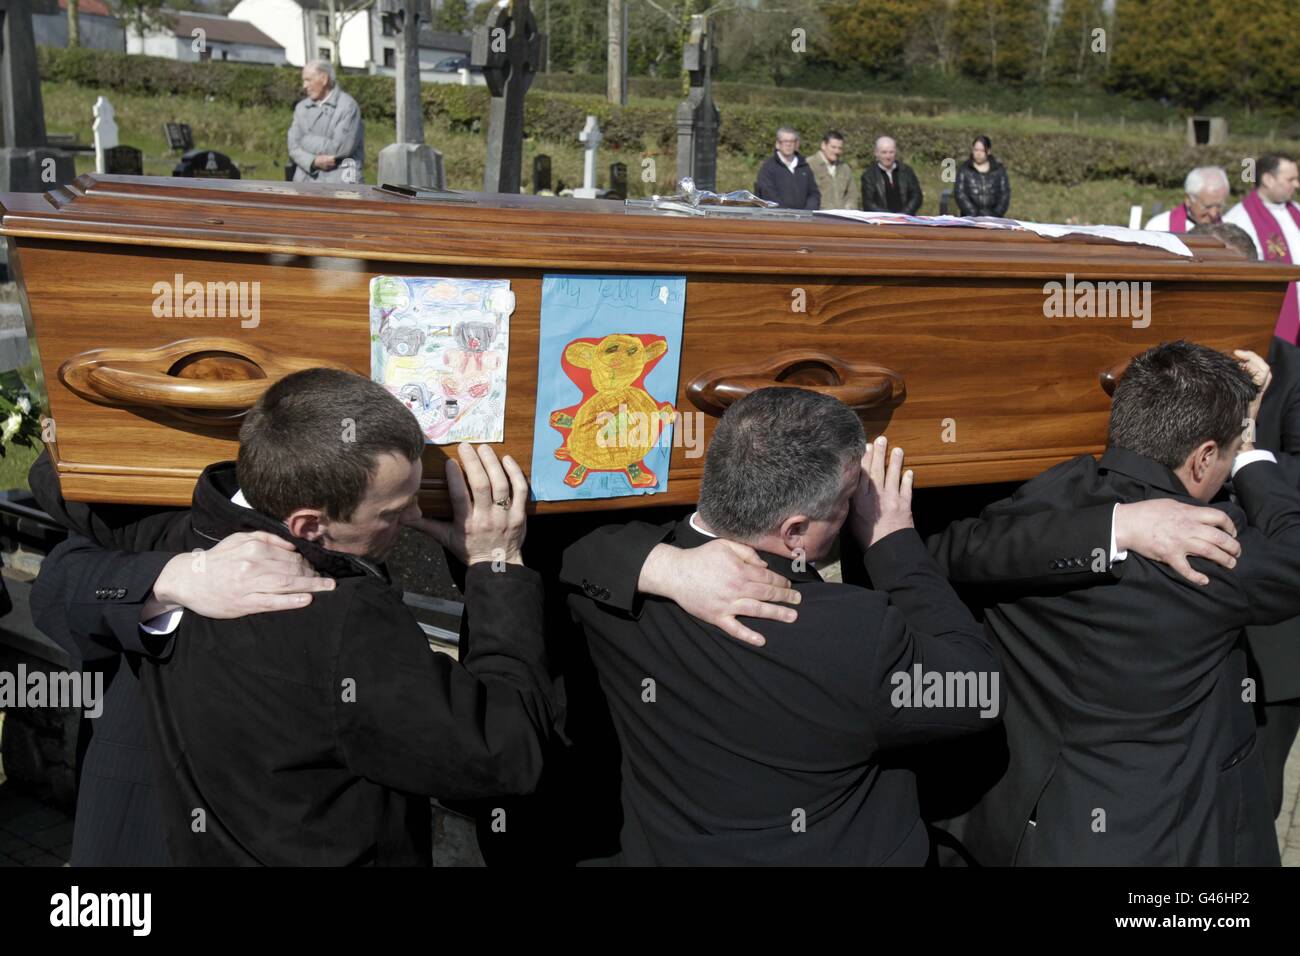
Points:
[[440, 345], [607, 369]]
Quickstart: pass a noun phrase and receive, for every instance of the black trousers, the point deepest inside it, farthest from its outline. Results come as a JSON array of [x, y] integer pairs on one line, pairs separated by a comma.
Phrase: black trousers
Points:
[[1278, 724]]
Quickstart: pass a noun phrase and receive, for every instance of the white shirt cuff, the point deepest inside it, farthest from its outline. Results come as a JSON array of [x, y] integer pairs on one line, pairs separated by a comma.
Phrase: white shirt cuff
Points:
[[1115, 553], [164, 623], [1246, 457]]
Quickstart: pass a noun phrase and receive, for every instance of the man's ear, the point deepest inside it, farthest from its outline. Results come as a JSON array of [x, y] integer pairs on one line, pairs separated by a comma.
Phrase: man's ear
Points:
[[794, 532], [307, 523], [1202, 457]]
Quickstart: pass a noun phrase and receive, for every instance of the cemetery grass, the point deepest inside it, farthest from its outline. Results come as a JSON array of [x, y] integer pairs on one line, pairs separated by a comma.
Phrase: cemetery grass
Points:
[[255, 138]]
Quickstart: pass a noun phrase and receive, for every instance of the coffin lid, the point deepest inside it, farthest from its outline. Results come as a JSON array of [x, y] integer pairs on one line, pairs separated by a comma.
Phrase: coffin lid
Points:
[[519, 231]]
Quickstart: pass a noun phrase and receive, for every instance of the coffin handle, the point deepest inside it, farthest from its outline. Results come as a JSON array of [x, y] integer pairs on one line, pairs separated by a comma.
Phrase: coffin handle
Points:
[[857, 385], [194, 375]]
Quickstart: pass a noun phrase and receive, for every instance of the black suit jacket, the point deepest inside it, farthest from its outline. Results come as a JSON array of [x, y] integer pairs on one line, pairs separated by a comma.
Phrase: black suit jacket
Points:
[[874, 188], [1129, 738], [313, 736], [1275, 648], [791, 190], [786, 753]]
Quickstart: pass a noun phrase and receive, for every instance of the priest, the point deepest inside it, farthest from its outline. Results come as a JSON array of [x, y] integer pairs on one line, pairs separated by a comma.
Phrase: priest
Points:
[[1205, 197], [1273, 221]]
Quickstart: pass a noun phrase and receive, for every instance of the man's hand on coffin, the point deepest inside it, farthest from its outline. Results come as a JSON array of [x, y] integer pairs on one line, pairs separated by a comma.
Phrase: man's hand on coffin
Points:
[[324, 161], [1262, 376], [488, 520], [719, 582], [246, 573], [1170, 531], [883, 501]]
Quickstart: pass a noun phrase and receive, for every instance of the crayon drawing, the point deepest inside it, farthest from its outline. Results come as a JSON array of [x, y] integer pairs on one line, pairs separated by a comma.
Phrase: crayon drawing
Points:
[[606, 382], [440, 345]]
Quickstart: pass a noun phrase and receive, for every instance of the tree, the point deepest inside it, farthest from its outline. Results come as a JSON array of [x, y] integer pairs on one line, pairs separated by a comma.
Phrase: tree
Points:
[[142, 16], [933, 42], [1000, 39], [340, 13], [873, 34], [452, 16], [1079, 52], [74, 25]]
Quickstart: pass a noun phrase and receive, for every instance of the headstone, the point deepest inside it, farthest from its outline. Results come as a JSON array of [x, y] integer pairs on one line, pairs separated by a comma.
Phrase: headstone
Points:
[[409, 161], [105, 130], [206, 164], [124, 161], [1135, 217], [698, 118], [591, 138], [27, 162], [541, 173], [617, 181], [509, 50], [412, 164], [179, 136]]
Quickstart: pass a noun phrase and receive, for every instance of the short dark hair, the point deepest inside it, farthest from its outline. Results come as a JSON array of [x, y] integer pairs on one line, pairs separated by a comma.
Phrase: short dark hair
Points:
[[1230, 235], [1174, 397], [1268, 164], [775, 453], [313, 440], [831, 134]]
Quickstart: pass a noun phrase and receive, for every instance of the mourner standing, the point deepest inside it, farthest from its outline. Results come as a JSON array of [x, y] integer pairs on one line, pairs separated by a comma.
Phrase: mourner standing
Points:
[[835, 179], [785, 177], [1273, 221], [889, 185], [327, 138], [1205, 198], [983, 186]]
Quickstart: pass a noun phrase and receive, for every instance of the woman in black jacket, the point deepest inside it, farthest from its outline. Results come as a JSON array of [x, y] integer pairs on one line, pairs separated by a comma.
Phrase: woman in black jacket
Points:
[[983, 187]]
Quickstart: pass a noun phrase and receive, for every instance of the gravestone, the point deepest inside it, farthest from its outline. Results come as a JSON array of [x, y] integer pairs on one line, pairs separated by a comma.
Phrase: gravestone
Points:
[[27, 162], [409, 161], [617, 181], [206, 164], [179, 136], [124, 161], [698, 118], [591, 138], [509, 50], [541, 173], [105, 130]]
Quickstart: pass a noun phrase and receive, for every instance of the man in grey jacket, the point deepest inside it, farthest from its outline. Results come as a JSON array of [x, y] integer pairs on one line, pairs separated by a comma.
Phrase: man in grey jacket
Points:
[[327, 138]]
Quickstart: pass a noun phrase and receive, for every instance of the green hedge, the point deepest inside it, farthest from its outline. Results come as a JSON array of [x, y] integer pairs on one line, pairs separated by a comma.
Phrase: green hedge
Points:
[[553, 116]]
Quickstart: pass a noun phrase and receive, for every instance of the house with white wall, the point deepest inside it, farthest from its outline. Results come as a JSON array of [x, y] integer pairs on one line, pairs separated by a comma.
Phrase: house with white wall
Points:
[[99, 28], [206, 36], [367, 42]]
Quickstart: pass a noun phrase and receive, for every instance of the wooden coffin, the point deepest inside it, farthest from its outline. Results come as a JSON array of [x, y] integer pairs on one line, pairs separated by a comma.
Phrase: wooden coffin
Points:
[[936, 335]]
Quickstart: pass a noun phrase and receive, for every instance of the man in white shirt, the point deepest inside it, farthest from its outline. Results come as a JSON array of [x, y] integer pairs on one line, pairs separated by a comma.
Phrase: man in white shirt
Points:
[[1205, 197]]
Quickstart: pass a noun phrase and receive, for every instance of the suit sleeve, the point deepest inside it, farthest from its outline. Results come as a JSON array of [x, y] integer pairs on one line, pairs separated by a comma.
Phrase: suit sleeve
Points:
[[88, 600], [1004, 194], [814, 200], [965, 203], [606, 564], [114, 527], [1057, 547], [346, 129], [926, 625], [918, 196], [423, 723], [1269, 566]]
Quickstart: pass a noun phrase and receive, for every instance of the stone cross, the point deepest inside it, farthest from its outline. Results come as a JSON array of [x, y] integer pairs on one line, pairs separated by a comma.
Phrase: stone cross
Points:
[[27, 164], [698, 119], [509, 50], [591, 139], [105, 129]]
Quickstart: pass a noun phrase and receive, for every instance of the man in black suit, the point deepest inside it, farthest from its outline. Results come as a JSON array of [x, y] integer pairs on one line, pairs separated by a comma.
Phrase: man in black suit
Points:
[[1129, 724], [785, 177], [786, 753], [317, 735]]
